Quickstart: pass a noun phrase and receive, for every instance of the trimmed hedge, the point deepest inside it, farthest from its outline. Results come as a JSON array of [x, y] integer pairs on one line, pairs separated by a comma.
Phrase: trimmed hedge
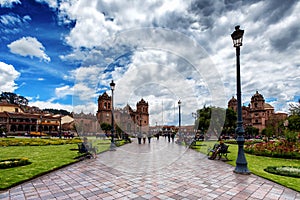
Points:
[[291, 171], [13, 162]]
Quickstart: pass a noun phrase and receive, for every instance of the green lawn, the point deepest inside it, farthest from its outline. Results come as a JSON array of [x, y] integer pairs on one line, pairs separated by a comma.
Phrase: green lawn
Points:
[[43, 158], [257, 164]]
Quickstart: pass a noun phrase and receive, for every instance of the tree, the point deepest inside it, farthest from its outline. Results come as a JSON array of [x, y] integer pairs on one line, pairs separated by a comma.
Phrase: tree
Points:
[[230, 122], [294, 118], [294, 122], [106, 127], [295, 108], [215, 120], [251, 131], [56, 111], [13, 98], [118, 131]]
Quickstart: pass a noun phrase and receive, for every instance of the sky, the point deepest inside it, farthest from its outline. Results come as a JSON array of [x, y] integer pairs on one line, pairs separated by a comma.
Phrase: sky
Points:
[[63, 54]]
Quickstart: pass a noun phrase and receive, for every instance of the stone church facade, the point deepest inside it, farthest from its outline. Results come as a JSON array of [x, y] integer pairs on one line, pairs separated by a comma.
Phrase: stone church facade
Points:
[[129, 120], [258, 113]]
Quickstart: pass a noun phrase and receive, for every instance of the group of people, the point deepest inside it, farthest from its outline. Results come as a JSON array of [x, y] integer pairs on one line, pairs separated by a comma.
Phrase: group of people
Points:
[[143, 136]]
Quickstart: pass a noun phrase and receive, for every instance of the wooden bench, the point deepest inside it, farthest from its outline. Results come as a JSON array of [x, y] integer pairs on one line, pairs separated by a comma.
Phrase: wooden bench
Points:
[[222, 152]]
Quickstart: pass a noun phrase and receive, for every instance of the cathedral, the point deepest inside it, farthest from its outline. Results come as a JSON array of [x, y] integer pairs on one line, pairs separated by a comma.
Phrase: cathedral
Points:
[[129, 120], [258, 113]]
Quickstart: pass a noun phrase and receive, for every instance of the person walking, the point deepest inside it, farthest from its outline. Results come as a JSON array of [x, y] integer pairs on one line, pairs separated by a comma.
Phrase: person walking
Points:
[[149, 137], [173, 136], [139, 136], [169, 136]]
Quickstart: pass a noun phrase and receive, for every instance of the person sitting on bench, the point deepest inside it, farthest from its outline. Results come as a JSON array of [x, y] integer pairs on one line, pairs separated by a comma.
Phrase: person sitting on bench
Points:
[[219, 148], [87, 147]]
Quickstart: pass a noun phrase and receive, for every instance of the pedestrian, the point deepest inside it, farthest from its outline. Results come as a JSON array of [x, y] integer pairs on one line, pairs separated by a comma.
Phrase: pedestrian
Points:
[[169, 136], [139, 136], [173, 136], [149, 137]]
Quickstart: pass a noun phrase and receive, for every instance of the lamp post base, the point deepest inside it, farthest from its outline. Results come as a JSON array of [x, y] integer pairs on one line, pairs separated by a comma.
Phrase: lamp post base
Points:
[[112, 147], [241, 162], [242, 169]]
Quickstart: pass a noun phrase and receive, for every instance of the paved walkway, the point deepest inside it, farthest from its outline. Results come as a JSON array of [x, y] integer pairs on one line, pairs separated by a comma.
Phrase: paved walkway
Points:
[[160, 170]]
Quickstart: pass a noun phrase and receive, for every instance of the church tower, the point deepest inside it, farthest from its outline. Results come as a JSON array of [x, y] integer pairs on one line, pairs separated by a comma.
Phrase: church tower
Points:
[[142, 115], [104, 108], [257, 111], [232, 104]]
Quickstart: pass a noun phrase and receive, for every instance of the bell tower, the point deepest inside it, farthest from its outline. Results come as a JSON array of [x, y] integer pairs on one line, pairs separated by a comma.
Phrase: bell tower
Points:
[[104, 109], [142, 114], [257, 111], [232, 103]]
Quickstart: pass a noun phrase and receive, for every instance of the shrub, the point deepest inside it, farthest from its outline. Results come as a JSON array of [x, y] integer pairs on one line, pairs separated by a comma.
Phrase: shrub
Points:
[[284, 171], [14, 162]]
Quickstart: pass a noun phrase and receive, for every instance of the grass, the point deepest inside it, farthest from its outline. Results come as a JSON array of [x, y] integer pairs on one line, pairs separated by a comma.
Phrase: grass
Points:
[[257, 164], [43, 158], [50, 157]]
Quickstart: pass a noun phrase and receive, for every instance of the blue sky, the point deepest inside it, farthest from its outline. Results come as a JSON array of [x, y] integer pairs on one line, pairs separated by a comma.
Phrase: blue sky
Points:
[[63, 54]]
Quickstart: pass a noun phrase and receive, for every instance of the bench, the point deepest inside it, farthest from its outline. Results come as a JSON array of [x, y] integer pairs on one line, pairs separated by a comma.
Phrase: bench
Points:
[[222, 152], [87, 150]]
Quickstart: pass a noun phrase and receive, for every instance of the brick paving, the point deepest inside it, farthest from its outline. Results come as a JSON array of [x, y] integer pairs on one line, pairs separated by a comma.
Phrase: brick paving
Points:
[[160, 170]]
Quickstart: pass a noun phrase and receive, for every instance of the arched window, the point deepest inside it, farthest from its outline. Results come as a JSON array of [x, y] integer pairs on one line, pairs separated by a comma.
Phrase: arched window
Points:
[[105, 104]]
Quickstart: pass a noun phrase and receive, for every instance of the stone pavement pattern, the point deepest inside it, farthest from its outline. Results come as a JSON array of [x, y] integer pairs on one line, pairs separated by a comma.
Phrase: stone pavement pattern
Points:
[[159, 170]]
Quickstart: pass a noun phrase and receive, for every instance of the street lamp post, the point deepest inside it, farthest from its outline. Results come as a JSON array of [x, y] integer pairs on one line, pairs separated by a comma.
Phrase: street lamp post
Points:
[[179, 120], [60, 126], [241, 163], [112, 142], [41, 128], [179, 123]]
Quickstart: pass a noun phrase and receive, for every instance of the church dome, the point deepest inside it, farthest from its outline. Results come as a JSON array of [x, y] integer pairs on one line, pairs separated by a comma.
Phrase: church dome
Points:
[[257, 97], [232, 100]]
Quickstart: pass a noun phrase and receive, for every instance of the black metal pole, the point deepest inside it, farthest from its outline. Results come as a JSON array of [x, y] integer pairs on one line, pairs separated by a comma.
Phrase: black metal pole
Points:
[[179, 123], [60, 127], [241, 163], [179, 118], [112, 142]]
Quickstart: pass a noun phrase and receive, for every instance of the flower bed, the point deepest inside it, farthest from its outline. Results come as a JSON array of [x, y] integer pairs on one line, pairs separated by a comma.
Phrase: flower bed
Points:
[[280, 149], [284, 171], [14, 162]]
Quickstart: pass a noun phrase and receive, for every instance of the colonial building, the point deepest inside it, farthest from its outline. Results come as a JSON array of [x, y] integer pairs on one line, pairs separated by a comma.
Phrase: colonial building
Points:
[[86, 124], [129, 120], [21, 120], [258, 113]]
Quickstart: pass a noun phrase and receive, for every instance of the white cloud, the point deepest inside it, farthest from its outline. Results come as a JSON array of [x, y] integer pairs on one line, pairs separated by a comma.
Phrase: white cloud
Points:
[[29, 46], [8, 75], [8, 3], [51, 3], [159, 67], [63, 91]]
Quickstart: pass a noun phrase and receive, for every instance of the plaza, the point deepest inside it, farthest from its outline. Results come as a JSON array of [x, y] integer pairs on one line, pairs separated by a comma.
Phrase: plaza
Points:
[[159, 170]]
